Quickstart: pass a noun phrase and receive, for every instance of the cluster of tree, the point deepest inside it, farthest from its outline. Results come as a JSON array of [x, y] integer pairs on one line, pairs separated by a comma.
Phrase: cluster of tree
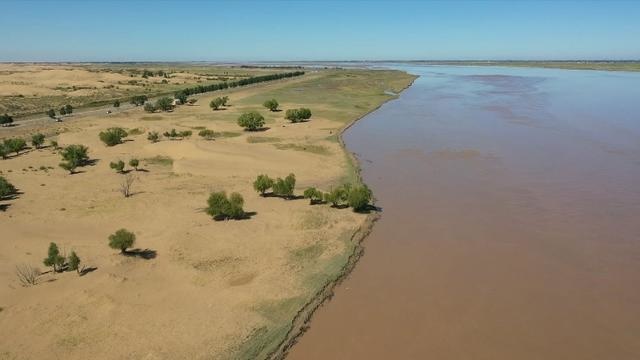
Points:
[[163, 104], [232, 84], [173, 134], [219, 206], [74, 156], [113, 136], [279, 187], [66, 110], [6, 188], [271, 104], [251, 121], [357, 197], [119, 165], [5, 120], [37, 140], [146, 73], [218, 102], [298, 115], [12, 145], [121, 240], [139, 100], [59, 262]]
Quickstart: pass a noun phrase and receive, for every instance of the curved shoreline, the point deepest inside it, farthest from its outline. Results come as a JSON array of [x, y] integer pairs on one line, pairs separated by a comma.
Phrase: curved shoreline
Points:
[[301, 320]]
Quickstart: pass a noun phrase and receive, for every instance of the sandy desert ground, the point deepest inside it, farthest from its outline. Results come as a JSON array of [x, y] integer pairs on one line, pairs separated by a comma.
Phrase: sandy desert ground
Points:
[[210, 289]]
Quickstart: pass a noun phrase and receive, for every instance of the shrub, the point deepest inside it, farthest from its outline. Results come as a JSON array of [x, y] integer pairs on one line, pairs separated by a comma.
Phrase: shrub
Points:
[[134, 163], [4, 152], [113, 136], [68, 109], [298, 115], [37, 140], [150, 108], [54, 144], [54, 259], [337, 196], [6, 188], [153, 136], [272, 104], [284, 188], [139, 100], [51, 113], [262, 184], [63, 111], [251, 121], [359, 197], [225, 100], [221, 207], [121, 240], [125, 186], [192, 101], [164, 104], [117, 166], [5, 119], [14, 145], [185, 134], [182, 96], [27, 274], [74, 156], [207, 134], [314, 195], [171, 134], [74, 262], [116, 104], [216, 103]]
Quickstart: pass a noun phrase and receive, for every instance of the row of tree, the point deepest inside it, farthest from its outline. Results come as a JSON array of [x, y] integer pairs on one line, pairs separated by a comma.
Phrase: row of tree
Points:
[[163, 104], [65, 110], [237, 83]]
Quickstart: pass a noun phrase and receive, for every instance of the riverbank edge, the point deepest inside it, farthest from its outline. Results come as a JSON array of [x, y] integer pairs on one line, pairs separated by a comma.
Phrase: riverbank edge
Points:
[[300, 322]]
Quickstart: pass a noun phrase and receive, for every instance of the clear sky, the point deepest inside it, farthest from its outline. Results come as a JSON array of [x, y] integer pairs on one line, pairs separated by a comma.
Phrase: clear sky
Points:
[[93, 30]]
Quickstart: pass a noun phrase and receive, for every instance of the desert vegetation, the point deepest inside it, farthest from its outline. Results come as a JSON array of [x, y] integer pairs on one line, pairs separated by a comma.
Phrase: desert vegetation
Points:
[[113, 136], [219, 206], [251, 121], [298, 115]]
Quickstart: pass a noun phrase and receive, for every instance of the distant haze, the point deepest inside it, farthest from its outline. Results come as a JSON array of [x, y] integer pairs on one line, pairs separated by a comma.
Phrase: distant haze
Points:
[[317, 30]]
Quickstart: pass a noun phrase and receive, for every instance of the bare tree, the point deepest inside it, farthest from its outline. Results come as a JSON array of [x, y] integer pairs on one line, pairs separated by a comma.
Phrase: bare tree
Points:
[[125, 186], [27, 274]]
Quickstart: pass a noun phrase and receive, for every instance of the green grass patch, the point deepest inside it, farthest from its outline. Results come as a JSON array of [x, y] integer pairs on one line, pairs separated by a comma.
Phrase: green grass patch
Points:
[[314, 149], [228, 134], [159, 160], [262, 139], [152, 118], [136, 131]]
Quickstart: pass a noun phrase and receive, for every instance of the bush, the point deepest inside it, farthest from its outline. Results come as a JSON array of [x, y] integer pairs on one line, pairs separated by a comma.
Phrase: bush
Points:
[[74, 156], [314, 195], [54, 144], [251, 121], [37, 140], [207, 134], [14, 145], [337, 196], [134, 163], [54, 259], [284, 188], [262, 184], [121, 240], [164, 104], [5, 119], [185, 134], [139, 100], [150, 108], [216, 103], [225, 100], [272, 104], [74, 262], [117, 166], [68, 109], [192, 101], [27, 274], [6, 188], [116, 104], [153, 136], [63, 111], [298, 115], [221, 207], [359, 197], [113, 136], [182, 96], [51, 113], [4, 152]]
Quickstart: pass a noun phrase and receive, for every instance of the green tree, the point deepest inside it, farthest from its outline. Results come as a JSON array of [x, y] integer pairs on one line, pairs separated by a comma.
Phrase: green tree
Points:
[[113, 136], [359, 197], [68, 109], [134, 163], [225, 100], [284, 187], [37, 140], [153, 136], [298, 115], [164, 104], [219, 206], [139, 100], [117, 166], [63, 111], [54, 259], [14, 145], [116, 104], [150, 108], [74, 156], [314, 195], [74, 262], [182, 96], [251, 121], [216, 103], [5, 120], [262, 184], [121, 240], [6, 188], [336, 196], [207, 134], [271, 104], [51, 113]]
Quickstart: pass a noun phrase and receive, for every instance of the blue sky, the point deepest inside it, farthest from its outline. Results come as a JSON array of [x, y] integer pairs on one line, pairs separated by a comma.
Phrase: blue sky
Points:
[[317, 30]]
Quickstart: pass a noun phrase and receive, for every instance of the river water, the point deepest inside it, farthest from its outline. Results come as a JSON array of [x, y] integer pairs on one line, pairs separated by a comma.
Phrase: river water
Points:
[[511, 221]]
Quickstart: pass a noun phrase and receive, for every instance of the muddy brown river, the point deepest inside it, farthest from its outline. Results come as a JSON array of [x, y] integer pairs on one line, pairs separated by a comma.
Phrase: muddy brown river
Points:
[[511, 221]]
